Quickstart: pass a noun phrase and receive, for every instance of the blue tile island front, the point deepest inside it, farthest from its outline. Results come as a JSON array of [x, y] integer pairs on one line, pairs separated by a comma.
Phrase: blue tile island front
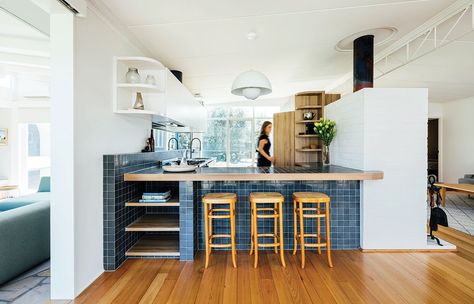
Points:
[[341, 184]]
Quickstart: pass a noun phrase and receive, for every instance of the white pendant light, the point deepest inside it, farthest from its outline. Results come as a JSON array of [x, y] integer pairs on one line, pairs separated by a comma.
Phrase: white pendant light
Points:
[[251, 85]]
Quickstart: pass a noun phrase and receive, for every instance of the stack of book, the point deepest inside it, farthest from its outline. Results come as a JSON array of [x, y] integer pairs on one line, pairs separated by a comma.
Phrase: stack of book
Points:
[[158, 197]]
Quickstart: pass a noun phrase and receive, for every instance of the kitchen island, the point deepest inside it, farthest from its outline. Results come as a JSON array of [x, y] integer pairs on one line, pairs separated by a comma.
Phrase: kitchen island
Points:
[[137, 229]]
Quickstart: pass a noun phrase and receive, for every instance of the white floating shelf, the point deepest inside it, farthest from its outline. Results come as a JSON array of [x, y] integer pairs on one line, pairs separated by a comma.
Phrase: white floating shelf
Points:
[[140, 87], [134, 111], [141, 63]]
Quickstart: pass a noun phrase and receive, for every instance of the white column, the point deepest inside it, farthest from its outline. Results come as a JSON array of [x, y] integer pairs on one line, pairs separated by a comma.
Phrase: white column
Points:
[[386, 130], [62, 157]]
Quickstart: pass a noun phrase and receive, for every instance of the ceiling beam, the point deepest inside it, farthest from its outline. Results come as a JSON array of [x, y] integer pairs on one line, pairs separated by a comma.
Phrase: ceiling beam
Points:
[[459, 10]]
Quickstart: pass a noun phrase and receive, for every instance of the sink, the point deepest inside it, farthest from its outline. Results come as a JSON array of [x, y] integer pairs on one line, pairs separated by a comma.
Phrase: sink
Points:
[[200, 161]]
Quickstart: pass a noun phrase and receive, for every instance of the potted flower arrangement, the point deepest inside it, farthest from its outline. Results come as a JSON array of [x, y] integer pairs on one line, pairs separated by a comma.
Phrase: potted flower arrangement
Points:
[[326, 129]]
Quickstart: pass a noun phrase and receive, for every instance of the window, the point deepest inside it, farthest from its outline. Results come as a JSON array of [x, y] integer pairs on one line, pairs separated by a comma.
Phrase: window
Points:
[[232, 134], [35, 151]]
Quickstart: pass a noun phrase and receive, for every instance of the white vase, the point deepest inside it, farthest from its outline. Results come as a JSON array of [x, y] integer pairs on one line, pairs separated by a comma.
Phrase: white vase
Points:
[[132, 75], [150, 79]]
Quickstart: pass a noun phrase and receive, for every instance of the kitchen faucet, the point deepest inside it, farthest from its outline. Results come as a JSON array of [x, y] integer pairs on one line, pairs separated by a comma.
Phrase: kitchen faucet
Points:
[[169, 141], [191, 146]]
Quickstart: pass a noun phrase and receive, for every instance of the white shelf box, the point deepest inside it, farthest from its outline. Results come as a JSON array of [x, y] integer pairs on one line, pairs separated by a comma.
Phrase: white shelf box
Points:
[[124, 94]]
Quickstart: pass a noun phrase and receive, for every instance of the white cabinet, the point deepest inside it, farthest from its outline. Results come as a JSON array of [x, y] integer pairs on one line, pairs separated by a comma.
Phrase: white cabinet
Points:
[[168, 100], [181, 105]]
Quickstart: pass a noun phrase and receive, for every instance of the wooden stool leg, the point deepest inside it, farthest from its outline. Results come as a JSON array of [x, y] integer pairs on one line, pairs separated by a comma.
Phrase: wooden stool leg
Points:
[[300, 206], [275, 229], [206, 233], [328, 236], [319, 227], [255, 237], [295, 229], [252, 233], [281, 237], [232, 233], [210, 228]]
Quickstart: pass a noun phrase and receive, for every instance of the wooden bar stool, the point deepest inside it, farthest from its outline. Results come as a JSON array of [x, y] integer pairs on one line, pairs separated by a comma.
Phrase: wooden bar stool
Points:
[[211, 213], [300, 213], [275, 212]]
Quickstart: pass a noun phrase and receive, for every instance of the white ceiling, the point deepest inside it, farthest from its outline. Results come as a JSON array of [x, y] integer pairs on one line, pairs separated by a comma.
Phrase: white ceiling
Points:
[[206, 39]]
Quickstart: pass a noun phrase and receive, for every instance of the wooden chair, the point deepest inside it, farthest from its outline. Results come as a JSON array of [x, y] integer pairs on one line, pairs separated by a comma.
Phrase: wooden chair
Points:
[[300, 213], [275, 200], [210, 213]]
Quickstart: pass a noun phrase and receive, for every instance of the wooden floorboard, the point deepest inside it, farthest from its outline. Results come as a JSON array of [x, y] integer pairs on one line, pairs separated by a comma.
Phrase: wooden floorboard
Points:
[[356, 278]]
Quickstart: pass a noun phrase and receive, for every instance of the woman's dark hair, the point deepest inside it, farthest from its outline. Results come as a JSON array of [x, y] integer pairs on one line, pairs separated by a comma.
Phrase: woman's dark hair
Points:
[[264, 126]]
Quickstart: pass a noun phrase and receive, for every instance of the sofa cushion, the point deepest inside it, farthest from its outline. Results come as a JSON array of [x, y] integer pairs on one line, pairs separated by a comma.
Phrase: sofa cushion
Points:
[[12, 203], [24, 239], [45, 184]]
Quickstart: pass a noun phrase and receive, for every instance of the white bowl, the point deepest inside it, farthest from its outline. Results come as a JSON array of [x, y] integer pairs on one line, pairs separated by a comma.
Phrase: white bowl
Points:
[[179, 168]]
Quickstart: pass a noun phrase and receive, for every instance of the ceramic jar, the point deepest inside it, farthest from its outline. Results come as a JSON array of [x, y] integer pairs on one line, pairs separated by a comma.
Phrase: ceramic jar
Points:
[[132, 75]]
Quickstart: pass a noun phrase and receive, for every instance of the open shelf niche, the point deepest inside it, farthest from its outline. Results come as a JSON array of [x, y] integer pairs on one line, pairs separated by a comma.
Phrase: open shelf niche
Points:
[[124, 94], [307, 143]]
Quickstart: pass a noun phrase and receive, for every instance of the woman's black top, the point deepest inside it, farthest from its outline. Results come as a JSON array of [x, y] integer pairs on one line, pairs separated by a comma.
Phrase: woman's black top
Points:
[[261, 160]]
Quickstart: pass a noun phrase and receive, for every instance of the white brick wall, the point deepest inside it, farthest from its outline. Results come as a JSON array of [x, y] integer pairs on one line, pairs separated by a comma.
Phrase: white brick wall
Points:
[[386, 129]]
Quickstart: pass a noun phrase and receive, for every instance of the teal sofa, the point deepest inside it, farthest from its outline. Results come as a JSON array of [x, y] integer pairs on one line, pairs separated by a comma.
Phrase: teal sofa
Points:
[[24, 232]]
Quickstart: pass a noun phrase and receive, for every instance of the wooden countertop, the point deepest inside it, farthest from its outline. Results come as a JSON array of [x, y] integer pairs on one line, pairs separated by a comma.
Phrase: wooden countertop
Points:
[[256, 174]]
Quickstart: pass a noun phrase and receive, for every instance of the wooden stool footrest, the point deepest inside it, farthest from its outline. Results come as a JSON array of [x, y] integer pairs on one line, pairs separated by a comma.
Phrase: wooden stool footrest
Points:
[[219, 216], [212, 236], [315, 245], [268, 215], [267, 235], [220, 245], [268, 244]]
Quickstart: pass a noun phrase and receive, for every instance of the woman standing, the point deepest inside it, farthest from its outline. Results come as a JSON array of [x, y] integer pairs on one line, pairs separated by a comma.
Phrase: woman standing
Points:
[[264, 159]]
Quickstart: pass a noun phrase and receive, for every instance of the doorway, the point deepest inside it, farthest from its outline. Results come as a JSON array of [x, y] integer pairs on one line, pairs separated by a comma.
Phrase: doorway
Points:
[[433, 147]]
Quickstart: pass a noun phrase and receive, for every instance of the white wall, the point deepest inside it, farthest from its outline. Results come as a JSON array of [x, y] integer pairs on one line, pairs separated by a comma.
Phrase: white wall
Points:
[[376, 132], [458, 139], [10, 155], [97, 131], [5, 151], [89, 130]]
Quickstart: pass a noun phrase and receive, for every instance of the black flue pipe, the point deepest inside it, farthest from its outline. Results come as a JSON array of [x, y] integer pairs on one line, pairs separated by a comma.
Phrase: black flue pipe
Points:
[[363, 63]]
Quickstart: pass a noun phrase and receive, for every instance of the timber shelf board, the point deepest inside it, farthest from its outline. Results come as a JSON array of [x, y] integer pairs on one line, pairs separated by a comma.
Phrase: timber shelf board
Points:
[[173, 202], [306, 121], [309, 107], [307, 135], [155, 222], [155, 245], [308, 150]]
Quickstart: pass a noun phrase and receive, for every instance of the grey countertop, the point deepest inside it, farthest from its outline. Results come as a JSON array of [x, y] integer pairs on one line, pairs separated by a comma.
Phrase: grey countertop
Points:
[[312, 171]]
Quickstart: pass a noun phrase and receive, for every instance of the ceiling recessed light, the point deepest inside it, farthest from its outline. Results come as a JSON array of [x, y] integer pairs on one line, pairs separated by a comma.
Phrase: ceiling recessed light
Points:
[[381, 35], [252, 36]]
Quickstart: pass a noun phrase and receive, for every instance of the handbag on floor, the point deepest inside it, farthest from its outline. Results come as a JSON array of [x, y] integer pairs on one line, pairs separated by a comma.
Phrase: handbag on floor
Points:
[[437, 215]]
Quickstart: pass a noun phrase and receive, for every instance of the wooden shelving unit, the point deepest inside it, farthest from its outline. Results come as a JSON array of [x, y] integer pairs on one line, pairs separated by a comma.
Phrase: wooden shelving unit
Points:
[[155, 245], [152, 245], [308, 150], [309, 107], [308, 102], [307, 121], [155, 223], [294, 136]]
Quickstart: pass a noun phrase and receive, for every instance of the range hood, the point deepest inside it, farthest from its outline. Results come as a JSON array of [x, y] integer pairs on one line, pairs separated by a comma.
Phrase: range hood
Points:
[[167, 124]]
